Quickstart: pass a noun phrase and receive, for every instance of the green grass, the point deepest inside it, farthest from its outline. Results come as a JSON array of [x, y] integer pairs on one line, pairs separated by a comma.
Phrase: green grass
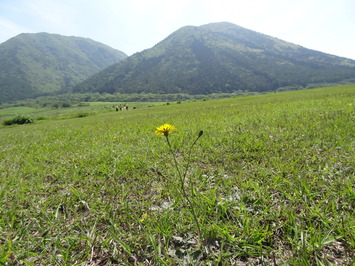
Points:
[[50, 113], [272, 181]]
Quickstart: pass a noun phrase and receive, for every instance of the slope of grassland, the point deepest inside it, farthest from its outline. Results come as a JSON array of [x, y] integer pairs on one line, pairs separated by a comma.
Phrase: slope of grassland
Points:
[[272, 182], [75, 111]]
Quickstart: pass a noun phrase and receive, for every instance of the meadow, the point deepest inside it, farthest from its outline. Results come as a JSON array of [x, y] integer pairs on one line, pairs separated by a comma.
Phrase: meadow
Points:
[[77, 111], [271, 182]]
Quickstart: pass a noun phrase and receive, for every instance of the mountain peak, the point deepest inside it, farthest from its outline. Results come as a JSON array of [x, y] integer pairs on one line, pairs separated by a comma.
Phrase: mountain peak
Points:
[[39, 63], [220, 57]]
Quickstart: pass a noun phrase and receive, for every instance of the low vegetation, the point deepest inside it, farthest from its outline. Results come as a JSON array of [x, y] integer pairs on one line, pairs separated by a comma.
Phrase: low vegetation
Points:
[[20, 120], [271, 181]]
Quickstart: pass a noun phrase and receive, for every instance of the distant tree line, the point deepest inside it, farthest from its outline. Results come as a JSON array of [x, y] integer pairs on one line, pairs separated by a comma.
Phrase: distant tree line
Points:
[[82, 99]]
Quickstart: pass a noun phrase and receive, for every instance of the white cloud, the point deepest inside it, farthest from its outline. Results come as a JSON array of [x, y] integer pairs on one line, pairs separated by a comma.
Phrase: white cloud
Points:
[[9, 26], [51, 15], [8, 29]]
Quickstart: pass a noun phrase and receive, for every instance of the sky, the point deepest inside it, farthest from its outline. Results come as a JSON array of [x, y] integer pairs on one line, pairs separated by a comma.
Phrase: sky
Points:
[[134, 25]]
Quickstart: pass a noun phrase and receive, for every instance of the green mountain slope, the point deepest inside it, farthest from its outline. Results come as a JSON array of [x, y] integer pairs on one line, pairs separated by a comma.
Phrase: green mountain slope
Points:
[[219, 57], [40, 63]]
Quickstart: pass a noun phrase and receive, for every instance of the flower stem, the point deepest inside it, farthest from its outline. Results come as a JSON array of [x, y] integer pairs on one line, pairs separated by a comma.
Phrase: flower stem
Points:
[[189, 161], [182, 183]]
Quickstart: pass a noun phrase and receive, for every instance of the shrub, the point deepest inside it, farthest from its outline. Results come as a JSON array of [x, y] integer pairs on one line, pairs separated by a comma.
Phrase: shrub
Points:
[[66, 104], [81, 114], [20, 120]]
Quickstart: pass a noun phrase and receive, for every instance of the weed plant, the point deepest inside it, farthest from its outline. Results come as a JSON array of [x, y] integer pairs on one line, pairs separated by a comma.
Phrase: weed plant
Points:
[[273, 184]]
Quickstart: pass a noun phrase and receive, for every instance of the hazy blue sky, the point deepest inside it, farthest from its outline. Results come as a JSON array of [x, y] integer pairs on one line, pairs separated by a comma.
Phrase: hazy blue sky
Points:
[[134, 25]]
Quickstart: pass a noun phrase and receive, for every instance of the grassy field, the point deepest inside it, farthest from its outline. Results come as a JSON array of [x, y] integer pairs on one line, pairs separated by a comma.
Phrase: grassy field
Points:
[[271, 182], [84, 109]]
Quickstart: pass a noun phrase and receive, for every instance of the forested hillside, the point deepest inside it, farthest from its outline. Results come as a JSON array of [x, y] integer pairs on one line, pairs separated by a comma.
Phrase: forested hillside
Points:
[[42, 63], [219, 57]]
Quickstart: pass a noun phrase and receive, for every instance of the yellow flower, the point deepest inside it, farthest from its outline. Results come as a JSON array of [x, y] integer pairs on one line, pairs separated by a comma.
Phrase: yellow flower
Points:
[[165, 129], [144, 216]]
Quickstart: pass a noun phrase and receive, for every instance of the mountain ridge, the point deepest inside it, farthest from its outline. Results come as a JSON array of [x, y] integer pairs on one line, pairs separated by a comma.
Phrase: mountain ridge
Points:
[[214, 58], [38, 63], [219, 58]]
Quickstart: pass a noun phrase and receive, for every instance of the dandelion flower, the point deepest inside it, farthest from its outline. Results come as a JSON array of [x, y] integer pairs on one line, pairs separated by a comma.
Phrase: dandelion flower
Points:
[[144, 216], [165, 129]]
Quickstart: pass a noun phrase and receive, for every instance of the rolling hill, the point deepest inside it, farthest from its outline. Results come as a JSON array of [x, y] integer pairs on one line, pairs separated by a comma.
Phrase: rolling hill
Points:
[[42, 63], [219, 57]]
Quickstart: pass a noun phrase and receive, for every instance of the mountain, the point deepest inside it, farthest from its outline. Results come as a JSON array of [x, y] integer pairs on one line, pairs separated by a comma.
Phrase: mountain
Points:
[[42, 63], [219, 57]]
